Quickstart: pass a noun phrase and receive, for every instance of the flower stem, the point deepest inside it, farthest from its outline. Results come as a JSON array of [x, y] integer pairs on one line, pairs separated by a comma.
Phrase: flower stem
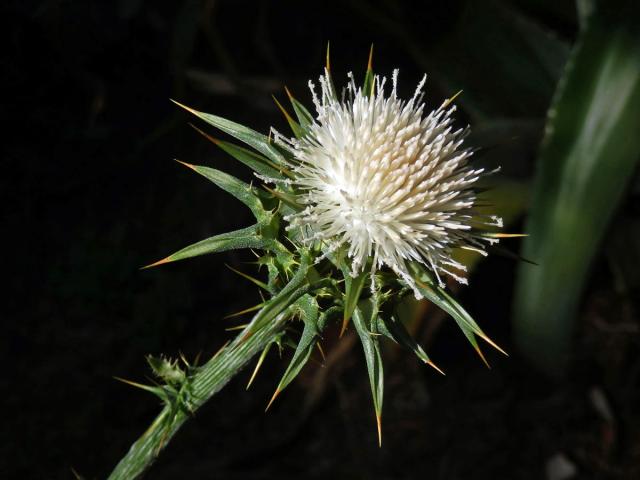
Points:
[[210, 379]]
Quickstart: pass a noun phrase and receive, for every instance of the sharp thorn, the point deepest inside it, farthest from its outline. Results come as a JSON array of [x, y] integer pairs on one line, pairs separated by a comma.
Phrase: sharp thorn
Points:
[[282, 109], [188, 109], [434, 366], [237, 327], [156, 264], [275, 395], [324, 357], [188, 165], [258, 365], [286, 89], [448, 101], [220, 349], [141, 386], [493, 344], [345, 322], [328, 62], [206, 135], [242, 312], [477, 348]]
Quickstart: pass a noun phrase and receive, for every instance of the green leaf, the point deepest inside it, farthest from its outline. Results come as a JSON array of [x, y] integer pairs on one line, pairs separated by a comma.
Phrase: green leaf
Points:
[[308, 309], [273, 272], [394, 329], [296, 288], [353, 289], [430, 289], [368, 86], [167, 370], [240, 190], [253, 160], [244, 238], [297, 130], [367, 330], [304, 117], [252, 138], [588, 156]]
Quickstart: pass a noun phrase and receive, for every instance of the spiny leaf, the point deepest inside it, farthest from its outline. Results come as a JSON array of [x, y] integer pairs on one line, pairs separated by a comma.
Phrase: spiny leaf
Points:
[[366, 328], [353, 289], [368, 86], [394, 329], [240, 190], [273, 271], [286, 198], [256, 162], [296, 288], [166, 369], [308, 307], [244, 238], [295, 126], [468, 333], [252, 138], [436, 294], [329, 78], [304, 117]]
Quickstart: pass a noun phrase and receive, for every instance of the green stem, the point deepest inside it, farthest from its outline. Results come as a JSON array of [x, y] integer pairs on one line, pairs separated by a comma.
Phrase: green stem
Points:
[[210, 379], [217, 372]]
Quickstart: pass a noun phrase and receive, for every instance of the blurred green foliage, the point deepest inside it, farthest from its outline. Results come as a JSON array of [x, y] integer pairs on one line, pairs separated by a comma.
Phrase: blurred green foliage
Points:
[[590, 151]]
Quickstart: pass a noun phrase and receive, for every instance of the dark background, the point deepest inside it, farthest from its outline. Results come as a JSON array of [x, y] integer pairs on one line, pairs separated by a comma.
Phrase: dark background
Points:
[[91, 193]]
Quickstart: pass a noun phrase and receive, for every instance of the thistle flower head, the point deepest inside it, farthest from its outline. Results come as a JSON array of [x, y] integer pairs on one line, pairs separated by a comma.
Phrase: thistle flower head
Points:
[[386, 180], [371, 182]]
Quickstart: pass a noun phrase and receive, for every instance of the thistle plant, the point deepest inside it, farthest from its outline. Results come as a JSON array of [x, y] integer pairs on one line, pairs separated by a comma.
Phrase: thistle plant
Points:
[[361, 207]]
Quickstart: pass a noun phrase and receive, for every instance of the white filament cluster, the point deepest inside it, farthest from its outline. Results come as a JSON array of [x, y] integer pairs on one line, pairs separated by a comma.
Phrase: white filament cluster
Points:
[[386, 181]]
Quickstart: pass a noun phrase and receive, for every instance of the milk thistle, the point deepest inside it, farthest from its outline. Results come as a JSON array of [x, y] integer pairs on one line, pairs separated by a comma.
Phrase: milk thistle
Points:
[[363, 206]]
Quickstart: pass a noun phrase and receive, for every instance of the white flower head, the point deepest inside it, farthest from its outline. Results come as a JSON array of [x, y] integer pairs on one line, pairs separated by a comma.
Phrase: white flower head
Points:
[[386, 181]]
